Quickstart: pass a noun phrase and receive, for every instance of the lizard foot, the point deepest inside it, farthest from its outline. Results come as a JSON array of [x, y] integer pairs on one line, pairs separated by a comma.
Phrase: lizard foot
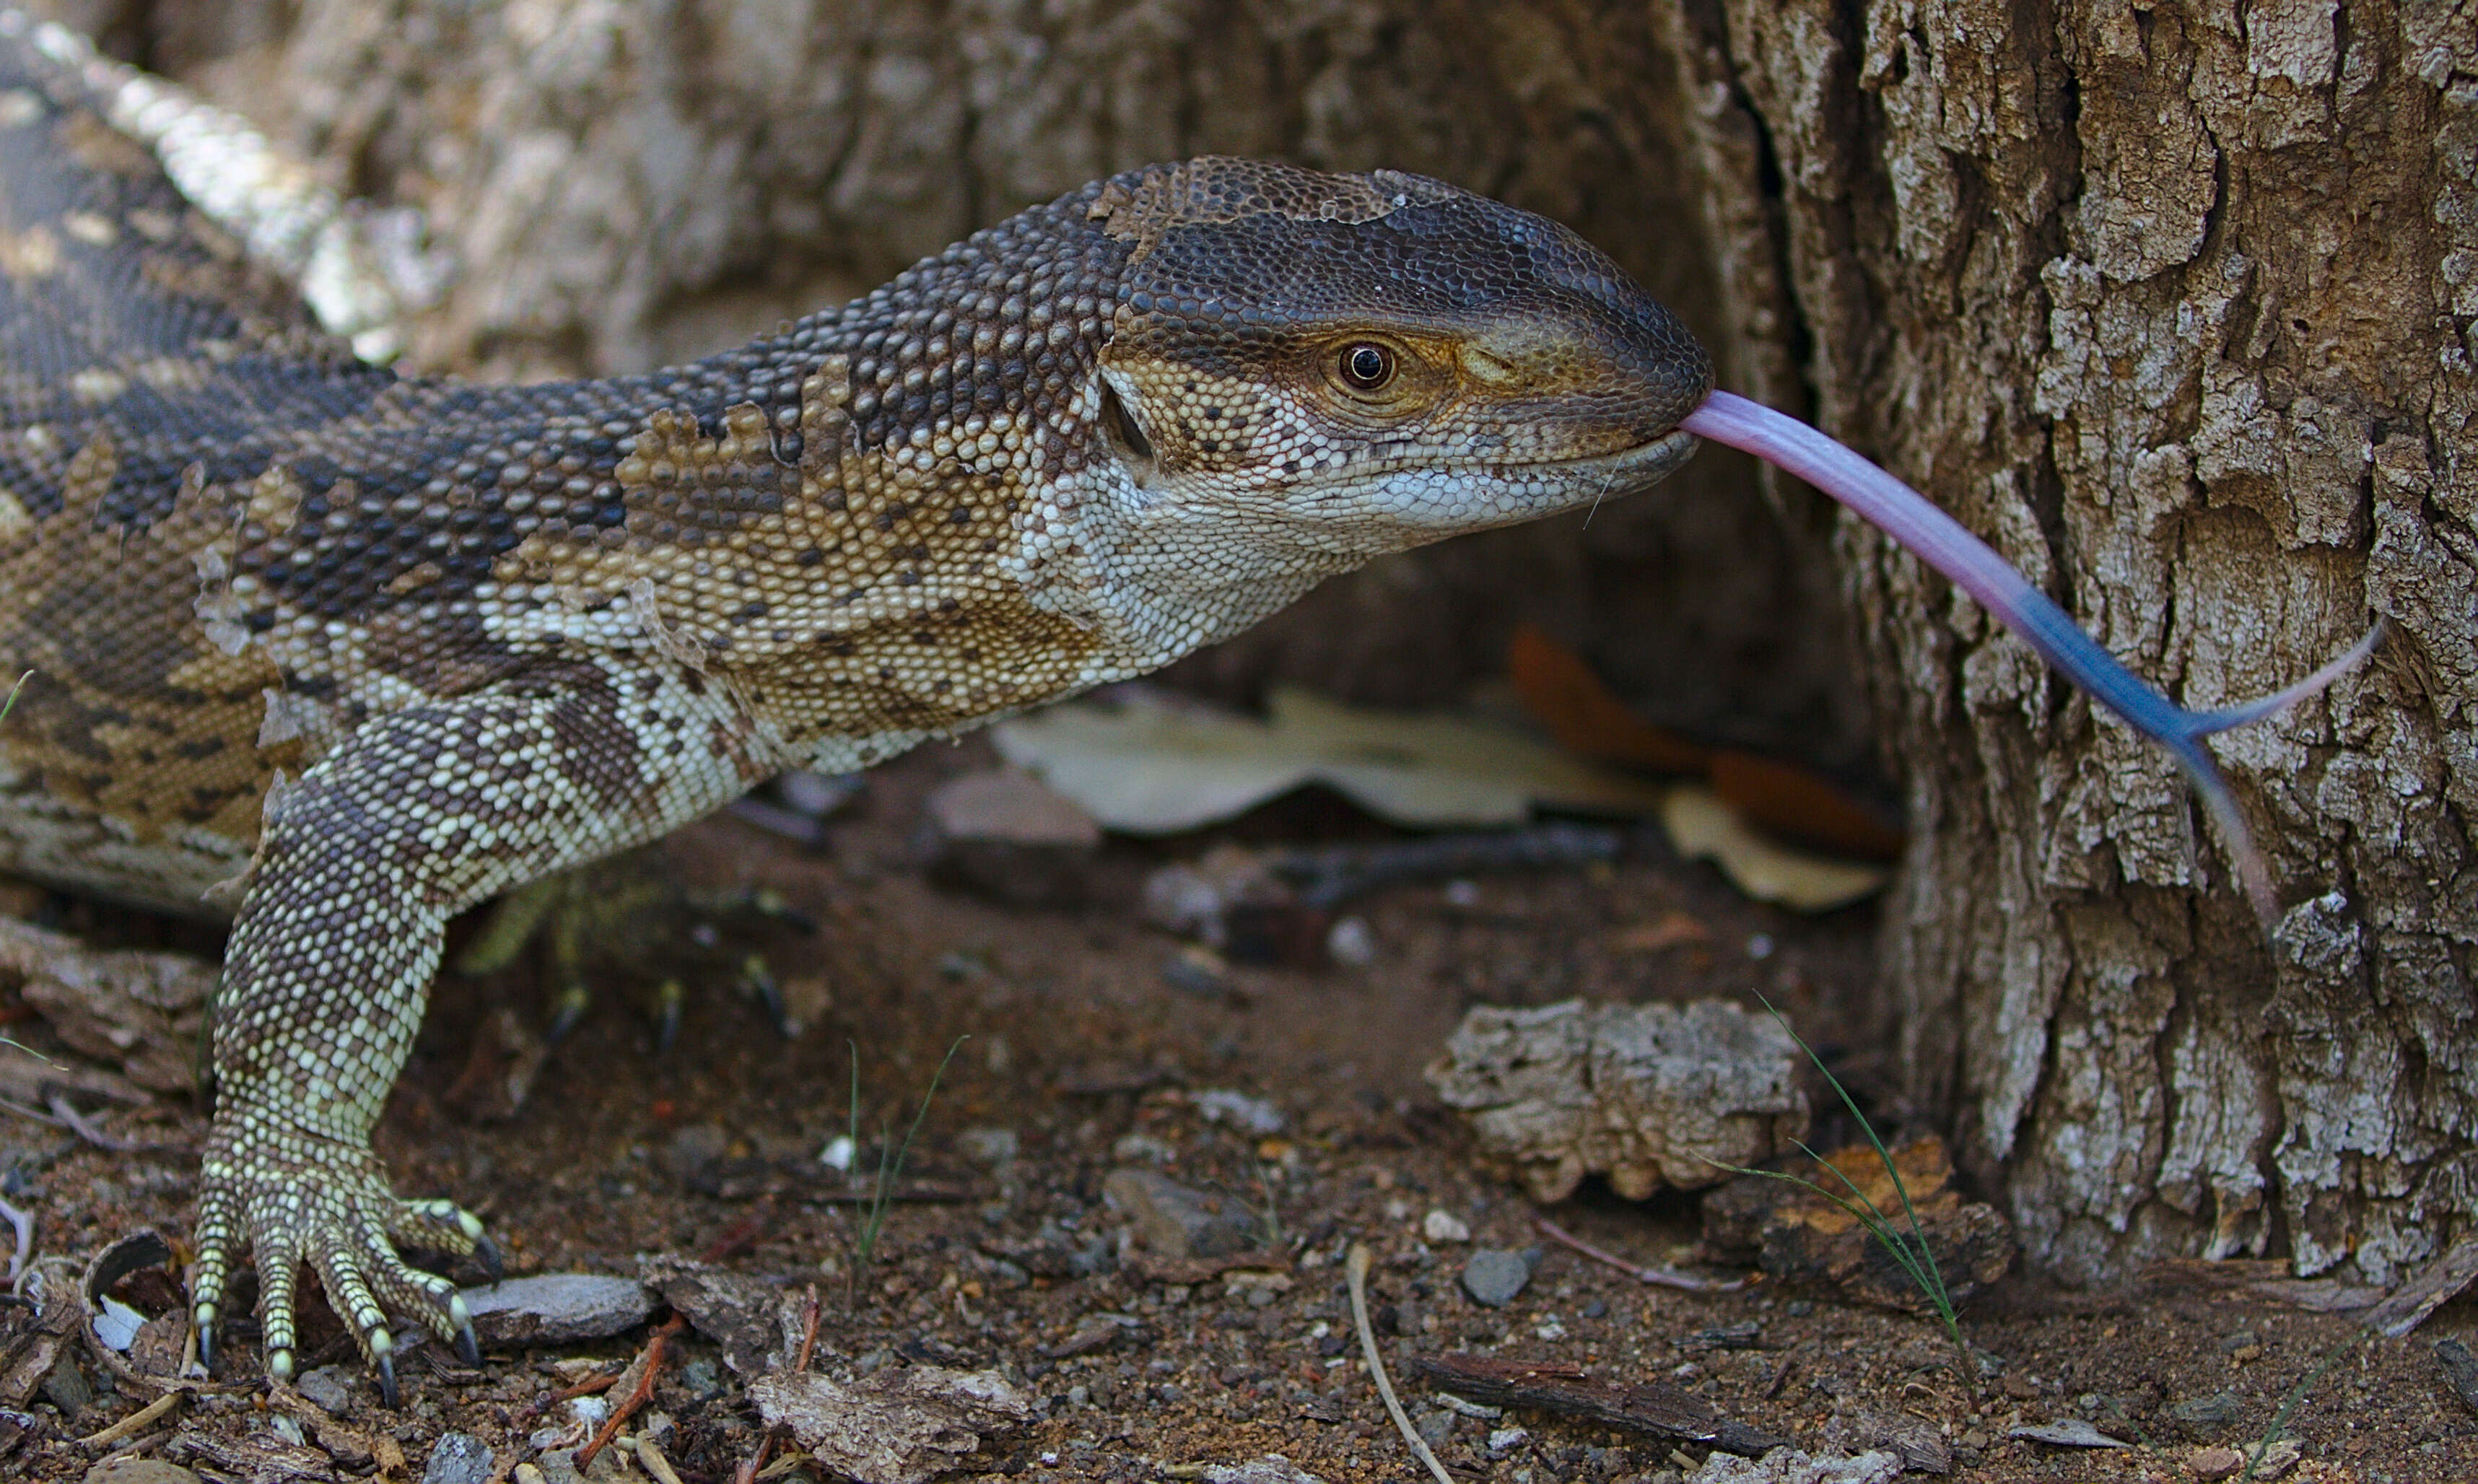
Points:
[[311, 1203]]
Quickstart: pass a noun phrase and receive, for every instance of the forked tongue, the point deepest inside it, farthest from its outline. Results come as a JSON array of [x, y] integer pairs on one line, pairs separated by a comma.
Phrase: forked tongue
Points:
[[1943, 543]]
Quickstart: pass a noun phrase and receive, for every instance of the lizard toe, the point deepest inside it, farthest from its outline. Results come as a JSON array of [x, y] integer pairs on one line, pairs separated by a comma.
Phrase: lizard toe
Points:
[[436, 1226]]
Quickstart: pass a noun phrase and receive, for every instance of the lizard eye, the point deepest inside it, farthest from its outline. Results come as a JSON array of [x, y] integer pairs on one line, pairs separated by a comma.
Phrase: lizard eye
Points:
[[1366, 365]]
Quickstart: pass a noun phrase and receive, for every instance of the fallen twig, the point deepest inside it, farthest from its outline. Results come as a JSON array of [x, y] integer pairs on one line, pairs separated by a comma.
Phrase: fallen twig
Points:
[[85, 1128], [1663, 1277], [134, 1422], [1357, 1274], [808, 1331], [647, 1373]]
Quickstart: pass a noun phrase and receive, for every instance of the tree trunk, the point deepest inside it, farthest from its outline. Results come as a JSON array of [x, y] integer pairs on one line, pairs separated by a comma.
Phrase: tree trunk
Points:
[[2171, 304]]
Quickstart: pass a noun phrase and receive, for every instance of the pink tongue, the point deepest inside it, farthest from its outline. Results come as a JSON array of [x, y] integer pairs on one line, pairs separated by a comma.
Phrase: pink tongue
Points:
[[1942, 541]]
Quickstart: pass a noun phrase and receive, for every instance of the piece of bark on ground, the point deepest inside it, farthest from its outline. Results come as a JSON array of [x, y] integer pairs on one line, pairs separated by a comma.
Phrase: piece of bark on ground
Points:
[[1651, 1407]]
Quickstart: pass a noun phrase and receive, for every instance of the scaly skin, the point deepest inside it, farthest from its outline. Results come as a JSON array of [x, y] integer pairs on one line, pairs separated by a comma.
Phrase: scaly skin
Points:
[[358, 650]]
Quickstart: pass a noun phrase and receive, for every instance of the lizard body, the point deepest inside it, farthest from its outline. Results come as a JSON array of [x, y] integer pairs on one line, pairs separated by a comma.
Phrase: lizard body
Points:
[[343, 652]]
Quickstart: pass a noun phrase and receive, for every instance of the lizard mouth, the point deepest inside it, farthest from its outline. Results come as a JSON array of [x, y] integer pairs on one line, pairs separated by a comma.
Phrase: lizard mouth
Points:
[[1638, 466]]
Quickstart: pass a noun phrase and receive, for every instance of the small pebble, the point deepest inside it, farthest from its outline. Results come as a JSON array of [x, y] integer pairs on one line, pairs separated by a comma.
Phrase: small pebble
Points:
[[1506, 1440], [2214, 1463], [554, 1308], [1441, 1225], [991, 1147], [330, 1388], [458, 1458], [1221, 1105], [1199, 970], [2220, 1409], [816, 794], [1350, 944], [1493, 1276]]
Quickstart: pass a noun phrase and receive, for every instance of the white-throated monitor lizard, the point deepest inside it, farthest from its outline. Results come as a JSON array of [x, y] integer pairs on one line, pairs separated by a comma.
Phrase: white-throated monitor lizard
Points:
[[343, 652]]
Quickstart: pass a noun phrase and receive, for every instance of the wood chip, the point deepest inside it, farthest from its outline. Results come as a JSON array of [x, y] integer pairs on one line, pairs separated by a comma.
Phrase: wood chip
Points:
[[1653, 1408]]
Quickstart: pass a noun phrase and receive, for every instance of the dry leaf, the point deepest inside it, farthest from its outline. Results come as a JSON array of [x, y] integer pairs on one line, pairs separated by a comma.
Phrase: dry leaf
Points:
[[1700, 826], [1146, 764], [1587, 718], [1802, 808]]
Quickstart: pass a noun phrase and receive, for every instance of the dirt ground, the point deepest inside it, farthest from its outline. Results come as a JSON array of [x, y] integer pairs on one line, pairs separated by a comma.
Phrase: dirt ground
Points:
[[1090, 1056]]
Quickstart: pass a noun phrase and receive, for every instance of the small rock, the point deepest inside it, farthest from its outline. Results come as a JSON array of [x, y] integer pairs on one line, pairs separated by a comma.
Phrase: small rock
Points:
[[1198, 970], [2214, 1463], [2220, 1409], [2460, 1370], [139, 1471], [331, 1387], [991, 1147], [1436, 1428], [1271, 1469], [818, 795], [1493, 1276], [1145, 1146], [1441, 1225], [1505, 1440], [1350, 944], [1791, 1465], [2270, 1463], [65, 1385], [458, 1458], [1175, 1222], [1006, 835], [2067, 1432], [557, 1308], [693, 1149], [1251, 1115]]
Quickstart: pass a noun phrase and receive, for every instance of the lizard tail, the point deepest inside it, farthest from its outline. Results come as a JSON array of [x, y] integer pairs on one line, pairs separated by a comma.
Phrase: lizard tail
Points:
[[1944, 544]]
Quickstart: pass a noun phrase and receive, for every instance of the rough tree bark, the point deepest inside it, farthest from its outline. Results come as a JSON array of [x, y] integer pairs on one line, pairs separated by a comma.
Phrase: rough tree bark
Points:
[[2172, 302]]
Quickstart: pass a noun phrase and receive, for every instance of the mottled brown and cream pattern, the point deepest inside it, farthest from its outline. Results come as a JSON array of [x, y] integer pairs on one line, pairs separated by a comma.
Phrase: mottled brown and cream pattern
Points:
[[344, 653]]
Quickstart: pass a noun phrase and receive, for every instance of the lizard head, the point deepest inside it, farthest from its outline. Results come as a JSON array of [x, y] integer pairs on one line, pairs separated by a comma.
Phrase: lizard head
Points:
[[1371, 362]]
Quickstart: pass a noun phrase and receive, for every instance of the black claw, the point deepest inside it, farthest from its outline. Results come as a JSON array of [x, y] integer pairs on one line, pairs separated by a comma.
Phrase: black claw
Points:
[[487, 1253], [206, 1347], [469, 1348], [389, 1396], [666, 1030]]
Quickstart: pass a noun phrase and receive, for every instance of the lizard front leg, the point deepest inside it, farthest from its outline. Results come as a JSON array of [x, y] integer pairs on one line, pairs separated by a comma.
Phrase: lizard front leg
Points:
[[413, 817]]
